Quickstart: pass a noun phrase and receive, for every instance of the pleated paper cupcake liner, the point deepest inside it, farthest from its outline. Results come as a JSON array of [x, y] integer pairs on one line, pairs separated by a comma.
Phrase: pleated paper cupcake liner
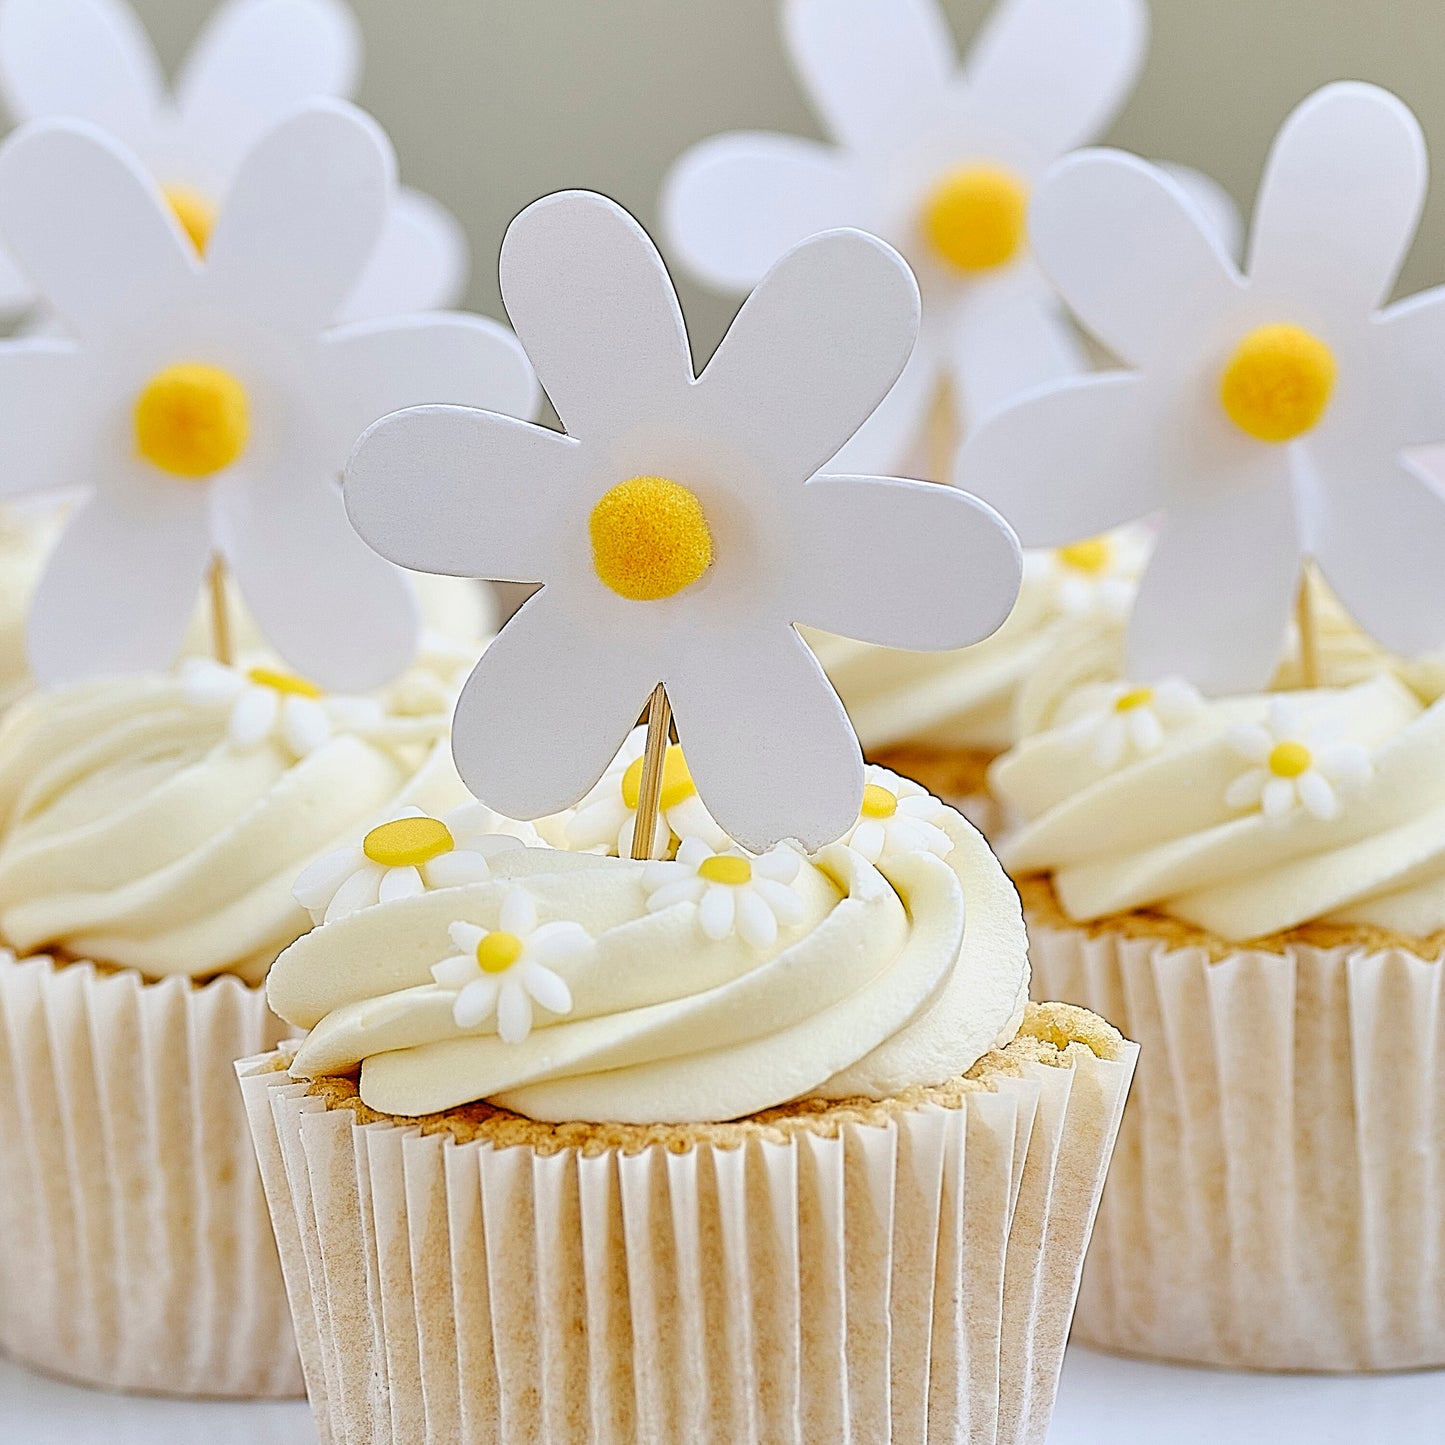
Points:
[[1277, 1200], [135, 1248], [910, 1282]]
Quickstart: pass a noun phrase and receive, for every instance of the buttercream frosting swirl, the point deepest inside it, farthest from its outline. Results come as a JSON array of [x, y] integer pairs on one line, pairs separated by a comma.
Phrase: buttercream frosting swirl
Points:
[[880, 979]]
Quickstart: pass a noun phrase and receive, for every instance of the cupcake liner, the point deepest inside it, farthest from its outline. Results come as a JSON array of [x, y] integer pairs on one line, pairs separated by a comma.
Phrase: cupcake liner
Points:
[[910, 1281], [135, 1249], [1277, 1200]]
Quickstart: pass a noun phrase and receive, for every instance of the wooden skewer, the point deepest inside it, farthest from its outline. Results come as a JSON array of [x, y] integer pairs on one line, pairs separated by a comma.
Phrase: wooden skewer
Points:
[[644, 826], [1309, 639], [220, 613]]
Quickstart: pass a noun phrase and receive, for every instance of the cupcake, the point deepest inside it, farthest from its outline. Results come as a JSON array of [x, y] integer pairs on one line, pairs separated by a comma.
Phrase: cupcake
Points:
[[719, 1144], [1259, 899]]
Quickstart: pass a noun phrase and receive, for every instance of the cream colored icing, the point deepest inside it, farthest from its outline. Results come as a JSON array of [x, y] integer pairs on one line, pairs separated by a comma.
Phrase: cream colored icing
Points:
[[892, 978], [1158, 832], [26, 537]]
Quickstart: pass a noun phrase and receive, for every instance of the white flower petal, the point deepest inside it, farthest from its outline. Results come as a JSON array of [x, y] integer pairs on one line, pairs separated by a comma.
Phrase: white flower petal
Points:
[[317, 883], [546, 987], [361, 890], [457, 971], [868, 839], [1247, 789], [684, 890], [1347, 764], [1250, 741], [399, 883], [786, 905], [1145, 730], [756, 922], [466, 936], [514, 1010], [518, 913], [208, 683], [304, 725], [474, 1004], [779, 864], [561, 942], [1317, 795], [1110, 741], [1279, 798], [717, 911], [253, 716], [455, 870], [692, 851]]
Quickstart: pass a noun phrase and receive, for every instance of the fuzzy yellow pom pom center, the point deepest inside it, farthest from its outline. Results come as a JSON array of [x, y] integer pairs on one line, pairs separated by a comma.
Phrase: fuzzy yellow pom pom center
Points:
[[726, 869], [497, 952], [1289, 760], [1135, 698], [192, 420], [878, 802], [1278, 383], [195, 213], [977, 218], [677, 784], [650, 539], [1091, 557], [408, 842], [286, 682]]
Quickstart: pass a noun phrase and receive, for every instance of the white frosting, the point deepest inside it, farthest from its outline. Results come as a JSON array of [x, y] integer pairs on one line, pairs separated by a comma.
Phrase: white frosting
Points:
[[1159, 831], [886, 982]]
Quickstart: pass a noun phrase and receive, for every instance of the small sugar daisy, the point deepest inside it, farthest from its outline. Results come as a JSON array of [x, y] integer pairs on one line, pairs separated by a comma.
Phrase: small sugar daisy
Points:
[[1099, 575], [734, 891], [898, 816], [410, 853], [1134, 721], [270, 705], [1291, 771], [506, 970]]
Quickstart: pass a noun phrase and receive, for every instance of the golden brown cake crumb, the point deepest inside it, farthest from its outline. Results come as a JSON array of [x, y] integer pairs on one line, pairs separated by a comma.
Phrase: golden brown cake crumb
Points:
[[951, 774]]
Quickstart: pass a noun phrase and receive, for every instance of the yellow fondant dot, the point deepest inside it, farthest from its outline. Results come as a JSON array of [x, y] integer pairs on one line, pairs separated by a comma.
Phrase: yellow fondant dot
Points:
[[1092, 556], [408, 842], [497, 952], [650, 539], [195, 213], [878, 802], [977, 218], [1135, 697], [286, 682], [726, 869], [192, 420], [677, 784], [1278, 383], [1289, 760]]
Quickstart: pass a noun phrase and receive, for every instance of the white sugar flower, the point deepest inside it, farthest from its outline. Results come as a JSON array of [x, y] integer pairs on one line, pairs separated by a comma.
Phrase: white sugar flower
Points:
[[897, 817], [1134, 721], [408, 854], [266, 703], [606, 817], [734, 891], [1098, 576], [504, 971], [938, 158], [1268, 413], [255, 63], [208, 407], [1293, 769], [678, 527]]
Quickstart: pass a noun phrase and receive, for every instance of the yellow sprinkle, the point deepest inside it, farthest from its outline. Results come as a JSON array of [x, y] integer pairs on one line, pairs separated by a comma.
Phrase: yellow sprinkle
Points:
[[677, 784], [726, 869], [977, 218], [195, 213], [497, 952], [408, 842], [1136, 697], [192, 420], [1092, 556], [650, 539], [1278, 383], [878, 802], [1289, 760], [286, 682]]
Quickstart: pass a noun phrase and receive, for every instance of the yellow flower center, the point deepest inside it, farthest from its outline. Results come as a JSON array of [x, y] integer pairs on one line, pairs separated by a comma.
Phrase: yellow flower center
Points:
[[677, 784], [1278, 383], [878, 802], [1092, 556], [726, 869], [1289, 760], [650, 539], [1135, 697], [977, 218], [286, 682], [195, 213], [497, 952], [408, 842], [192, 420]]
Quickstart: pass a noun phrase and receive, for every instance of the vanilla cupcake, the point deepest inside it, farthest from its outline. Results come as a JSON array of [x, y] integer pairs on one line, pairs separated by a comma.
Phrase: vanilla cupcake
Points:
[[716, 1146], [1255, 891]]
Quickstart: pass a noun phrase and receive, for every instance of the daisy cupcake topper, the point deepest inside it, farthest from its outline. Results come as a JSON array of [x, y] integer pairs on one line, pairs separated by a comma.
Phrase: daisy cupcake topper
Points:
[[680, 529], [1271, 415], [206, 406]]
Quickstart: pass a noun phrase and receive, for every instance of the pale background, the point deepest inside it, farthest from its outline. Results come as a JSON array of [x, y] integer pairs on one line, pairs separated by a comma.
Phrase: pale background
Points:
[[492, 103]]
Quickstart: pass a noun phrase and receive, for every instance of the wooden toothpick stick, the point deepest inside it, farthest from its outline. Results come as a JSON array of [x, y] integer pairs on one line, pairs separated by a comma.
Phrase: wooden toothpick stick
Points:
[[941, 431], [644, 826], [220, 613], [1309, 640]]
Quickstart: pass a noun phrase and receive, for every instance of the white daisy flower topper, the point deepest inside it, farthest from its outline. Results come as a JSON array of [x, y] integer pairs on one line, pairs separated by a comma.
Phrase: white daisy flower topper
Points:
[[679, 529]]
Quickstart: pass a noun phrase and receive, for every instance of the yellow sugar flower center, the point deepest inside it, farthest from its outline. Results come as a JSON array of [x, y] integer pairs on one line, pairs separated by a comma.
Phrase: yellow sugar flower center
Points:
[[726, 869], [1289, 760], [192, 420], [976, 217], [408, 843], [650, 539], [1092, 556], [497, 952], [287, 682], [878, 802], [195, 213], [677, 783], [1278, 383], [1136, 697]]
